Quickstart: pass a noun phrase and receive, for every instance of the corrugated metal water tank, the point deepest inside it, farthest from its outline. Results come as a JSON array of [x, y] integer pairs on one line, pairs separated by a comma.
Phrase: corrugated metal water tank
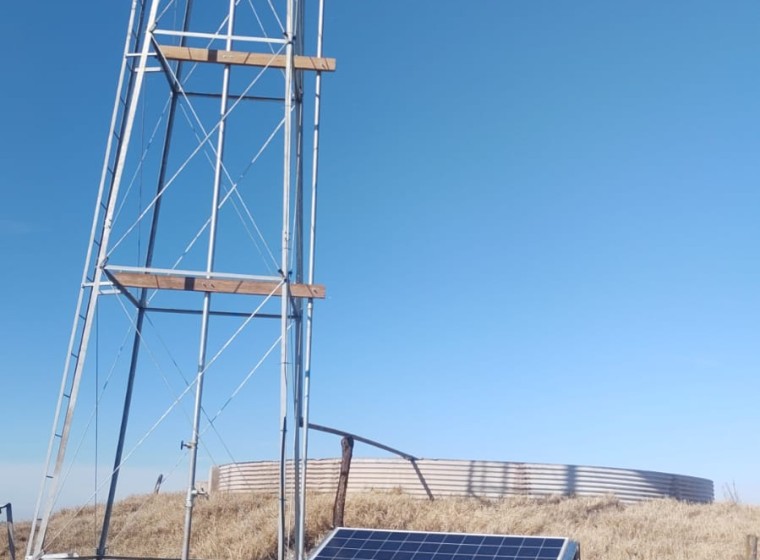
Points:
[[481, 479]]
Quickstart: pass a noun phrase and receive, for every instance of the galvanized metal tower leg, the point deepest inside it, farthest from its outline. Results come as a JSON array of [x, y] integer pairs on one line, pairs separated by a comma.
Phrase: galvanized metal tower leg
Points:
[[90, 291], [284, 269], [193, 444], [141, 311], [306, 384], [298, 338]]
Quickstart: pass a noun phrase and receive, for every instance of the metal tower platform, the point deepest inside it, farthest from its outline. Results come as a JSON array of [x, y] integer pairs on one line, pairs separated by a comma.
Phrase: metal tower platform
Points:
[[205, 213]]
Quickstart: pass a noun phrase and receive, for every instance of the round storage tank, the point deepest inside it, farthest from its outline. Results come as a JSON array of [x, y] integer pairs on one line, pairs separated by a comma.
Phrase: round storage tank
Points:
[[479, 479]]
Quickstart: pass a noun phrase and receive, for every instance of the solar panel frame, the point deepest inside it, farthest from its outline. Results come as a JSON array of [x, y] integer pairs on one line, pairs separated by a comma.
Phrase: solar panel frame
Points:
[[355, 543]]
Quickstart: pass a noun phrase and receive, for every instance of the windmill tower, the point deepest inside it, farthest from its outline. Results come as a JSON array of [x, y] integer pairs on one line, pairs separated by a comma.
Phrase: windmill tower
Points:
[[205, 215]]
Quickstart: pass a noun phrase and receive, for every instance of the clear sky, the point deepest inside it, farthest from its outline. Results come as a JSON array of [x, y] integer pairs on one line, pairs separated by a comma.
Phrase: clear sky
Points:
[[538, 229]]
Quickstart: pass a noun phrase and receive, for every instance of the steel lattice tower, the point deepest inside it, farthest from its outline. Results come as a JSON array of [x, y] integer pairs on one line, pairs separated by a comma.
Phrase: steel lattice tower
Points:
[[206, 61]]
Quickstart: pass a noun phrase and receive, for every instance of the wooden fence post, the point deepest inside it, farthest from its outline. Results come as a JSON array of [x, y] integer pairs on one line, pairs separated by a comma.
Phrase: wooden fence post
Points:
[[159, 481], [9, 522], [347, 447], [751, 548]]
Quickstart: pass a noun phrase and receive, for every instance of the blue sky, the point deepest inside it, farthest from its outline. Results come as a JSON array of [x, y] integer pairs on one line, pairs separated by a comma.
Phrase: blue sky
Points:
[[538, 229]]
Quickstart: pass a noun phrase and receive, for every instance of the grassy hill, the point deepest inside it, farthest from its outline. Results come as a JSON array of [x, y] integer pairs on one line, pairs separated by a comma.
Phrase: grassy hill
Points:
[[229, 526]]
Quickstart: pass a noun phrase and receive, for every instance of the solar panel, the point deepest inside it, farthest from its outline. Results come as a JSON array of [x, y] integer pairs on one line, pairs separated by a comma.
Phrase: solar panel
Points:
[[381, 544]]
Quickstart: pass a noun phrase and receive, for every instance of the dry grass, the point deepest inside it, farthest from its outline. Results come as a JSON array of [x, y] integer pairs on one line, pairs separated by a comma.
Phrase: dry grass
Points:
[[243, 526]]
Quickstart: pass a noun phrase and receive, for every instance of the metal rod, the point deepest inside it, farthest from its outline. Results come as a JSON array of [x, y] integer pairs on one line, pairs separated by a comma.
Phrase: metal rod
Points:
[[242, 314], [424, 483], [141, 308], [304, 421], [371, 442], [287, 141], [227, 37], [192, 273], [191, 491], [243, 97], [297, 304]]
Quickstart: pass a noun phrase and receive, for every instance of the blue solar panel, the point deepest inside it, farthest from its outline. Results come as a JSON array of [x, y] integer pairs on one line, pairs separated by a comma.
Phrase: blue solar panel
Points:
[[378, 544]]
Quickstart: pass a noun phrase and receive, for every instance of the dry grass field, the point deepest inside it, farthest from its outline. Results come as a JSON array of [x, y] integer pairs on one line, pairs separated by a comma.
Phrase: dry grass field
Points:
[[243, 526]]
